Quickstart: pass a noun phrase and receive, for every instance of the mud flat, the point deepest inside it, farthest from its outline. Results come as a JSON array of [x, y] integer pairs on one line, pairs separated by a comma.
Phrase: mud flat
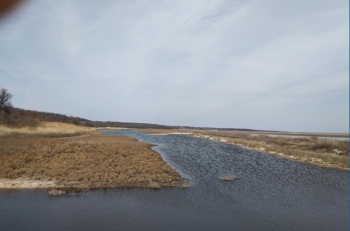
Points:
[[82, 162]]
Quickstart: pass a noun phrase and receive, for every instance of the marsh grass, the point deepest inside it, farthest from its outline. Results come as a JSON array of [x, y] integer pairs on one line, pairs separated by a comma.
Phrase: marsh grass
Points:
[[94, 161], [51, 129]]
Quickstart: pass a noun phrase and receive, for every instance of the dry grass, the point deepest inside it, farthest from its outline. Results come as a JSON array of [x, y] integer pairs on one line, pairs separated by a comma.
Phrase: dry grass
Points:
[[94, 161], [306, 134], [47, 129]]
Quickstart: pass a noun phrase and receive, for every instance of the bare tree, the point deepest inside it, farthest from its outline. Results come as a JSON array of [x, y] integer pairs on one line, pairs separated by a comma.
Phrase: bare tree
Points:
[[5, 100]]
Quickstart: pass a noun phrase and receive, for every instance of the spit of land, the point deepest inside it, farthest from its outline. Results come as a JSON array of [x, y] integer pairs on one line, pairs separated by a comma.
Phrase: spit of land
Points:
[[65, 156]]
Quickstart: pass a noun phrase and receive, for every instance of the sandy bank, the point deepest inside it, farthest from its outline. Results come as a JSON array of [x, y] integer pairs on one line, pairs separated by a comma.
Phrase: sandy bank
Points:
[[21, 183]]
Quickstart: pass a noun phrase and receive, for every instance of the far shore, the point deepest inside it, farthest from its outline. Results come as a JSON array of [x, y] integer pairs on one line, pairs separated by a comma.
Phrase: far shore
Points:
[[186, 131]]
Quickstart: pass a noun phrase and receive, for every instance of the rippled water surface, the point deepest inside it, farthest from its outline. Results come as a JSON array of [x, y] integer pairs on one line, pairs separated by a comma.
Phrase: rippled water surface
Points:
[[270, 194]]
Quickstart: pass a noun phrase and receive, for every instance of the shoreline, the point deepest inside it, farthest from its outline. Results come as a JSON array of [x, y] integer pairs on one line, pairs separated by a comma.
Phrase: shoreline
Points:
[[23, 183], [312, 161], [289, 148]]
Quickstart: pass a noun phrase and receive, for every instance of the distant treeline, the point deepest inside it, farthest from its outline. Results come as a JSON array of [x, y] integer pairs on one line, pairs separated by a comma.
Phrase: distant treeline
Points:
[[20, 117]]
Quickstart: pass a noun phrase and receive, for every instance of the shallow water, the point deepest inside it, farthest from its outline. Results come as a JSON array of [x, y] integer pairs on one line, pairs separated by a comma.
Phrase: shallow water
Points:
[[270, 194]]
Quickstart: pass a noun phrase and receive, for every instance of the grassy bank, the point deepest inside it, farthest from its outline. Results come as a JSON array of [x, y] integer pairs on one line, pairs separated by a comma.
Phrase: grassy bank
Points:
[[45, 129], [46, 158]]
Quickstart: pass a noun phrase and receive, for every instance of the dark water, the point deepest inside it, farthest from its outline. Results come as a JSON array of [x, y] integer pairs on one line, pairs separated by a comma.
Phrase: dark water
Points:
[[270, 194]]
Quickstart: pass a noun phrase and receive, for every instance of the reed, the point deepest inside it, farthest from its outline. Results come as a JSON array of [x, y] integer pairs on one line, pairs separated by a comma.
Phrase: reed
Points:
[[94, 161], [45, 128]]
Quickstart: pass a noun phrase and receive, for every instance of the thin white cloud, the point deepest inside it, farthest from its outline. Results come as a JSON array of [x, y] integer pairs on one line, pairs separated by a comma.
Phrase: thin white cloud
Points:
[[202, 63]]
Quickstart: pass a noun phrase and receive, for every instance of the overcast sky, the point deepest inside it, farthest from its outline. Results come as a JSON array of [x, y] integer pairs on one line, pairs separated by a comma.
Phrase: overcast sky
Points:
[[269, 64]]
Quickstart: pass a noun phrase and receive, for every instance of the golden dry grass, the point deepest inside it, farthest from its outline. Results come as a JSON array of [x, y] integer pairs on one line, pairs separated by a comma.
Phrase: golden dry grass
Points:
[[46, 128], [94, 161]]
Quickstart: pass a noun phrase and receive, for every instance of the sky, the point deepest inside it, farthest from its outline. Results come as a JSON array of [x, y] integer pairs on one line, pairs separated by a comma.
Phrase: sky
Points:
[[268, 64]]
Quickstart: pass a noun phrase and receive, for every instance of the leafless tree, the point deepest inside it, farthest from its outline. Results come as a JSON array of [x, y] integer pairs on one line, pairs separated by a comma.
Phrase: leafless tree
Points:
[[5, 100]]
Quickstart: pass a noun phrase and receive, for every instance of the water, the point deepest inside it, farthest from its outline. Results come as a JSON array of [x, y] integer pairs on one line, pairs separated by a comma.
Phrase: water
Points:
[[270, 194]]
